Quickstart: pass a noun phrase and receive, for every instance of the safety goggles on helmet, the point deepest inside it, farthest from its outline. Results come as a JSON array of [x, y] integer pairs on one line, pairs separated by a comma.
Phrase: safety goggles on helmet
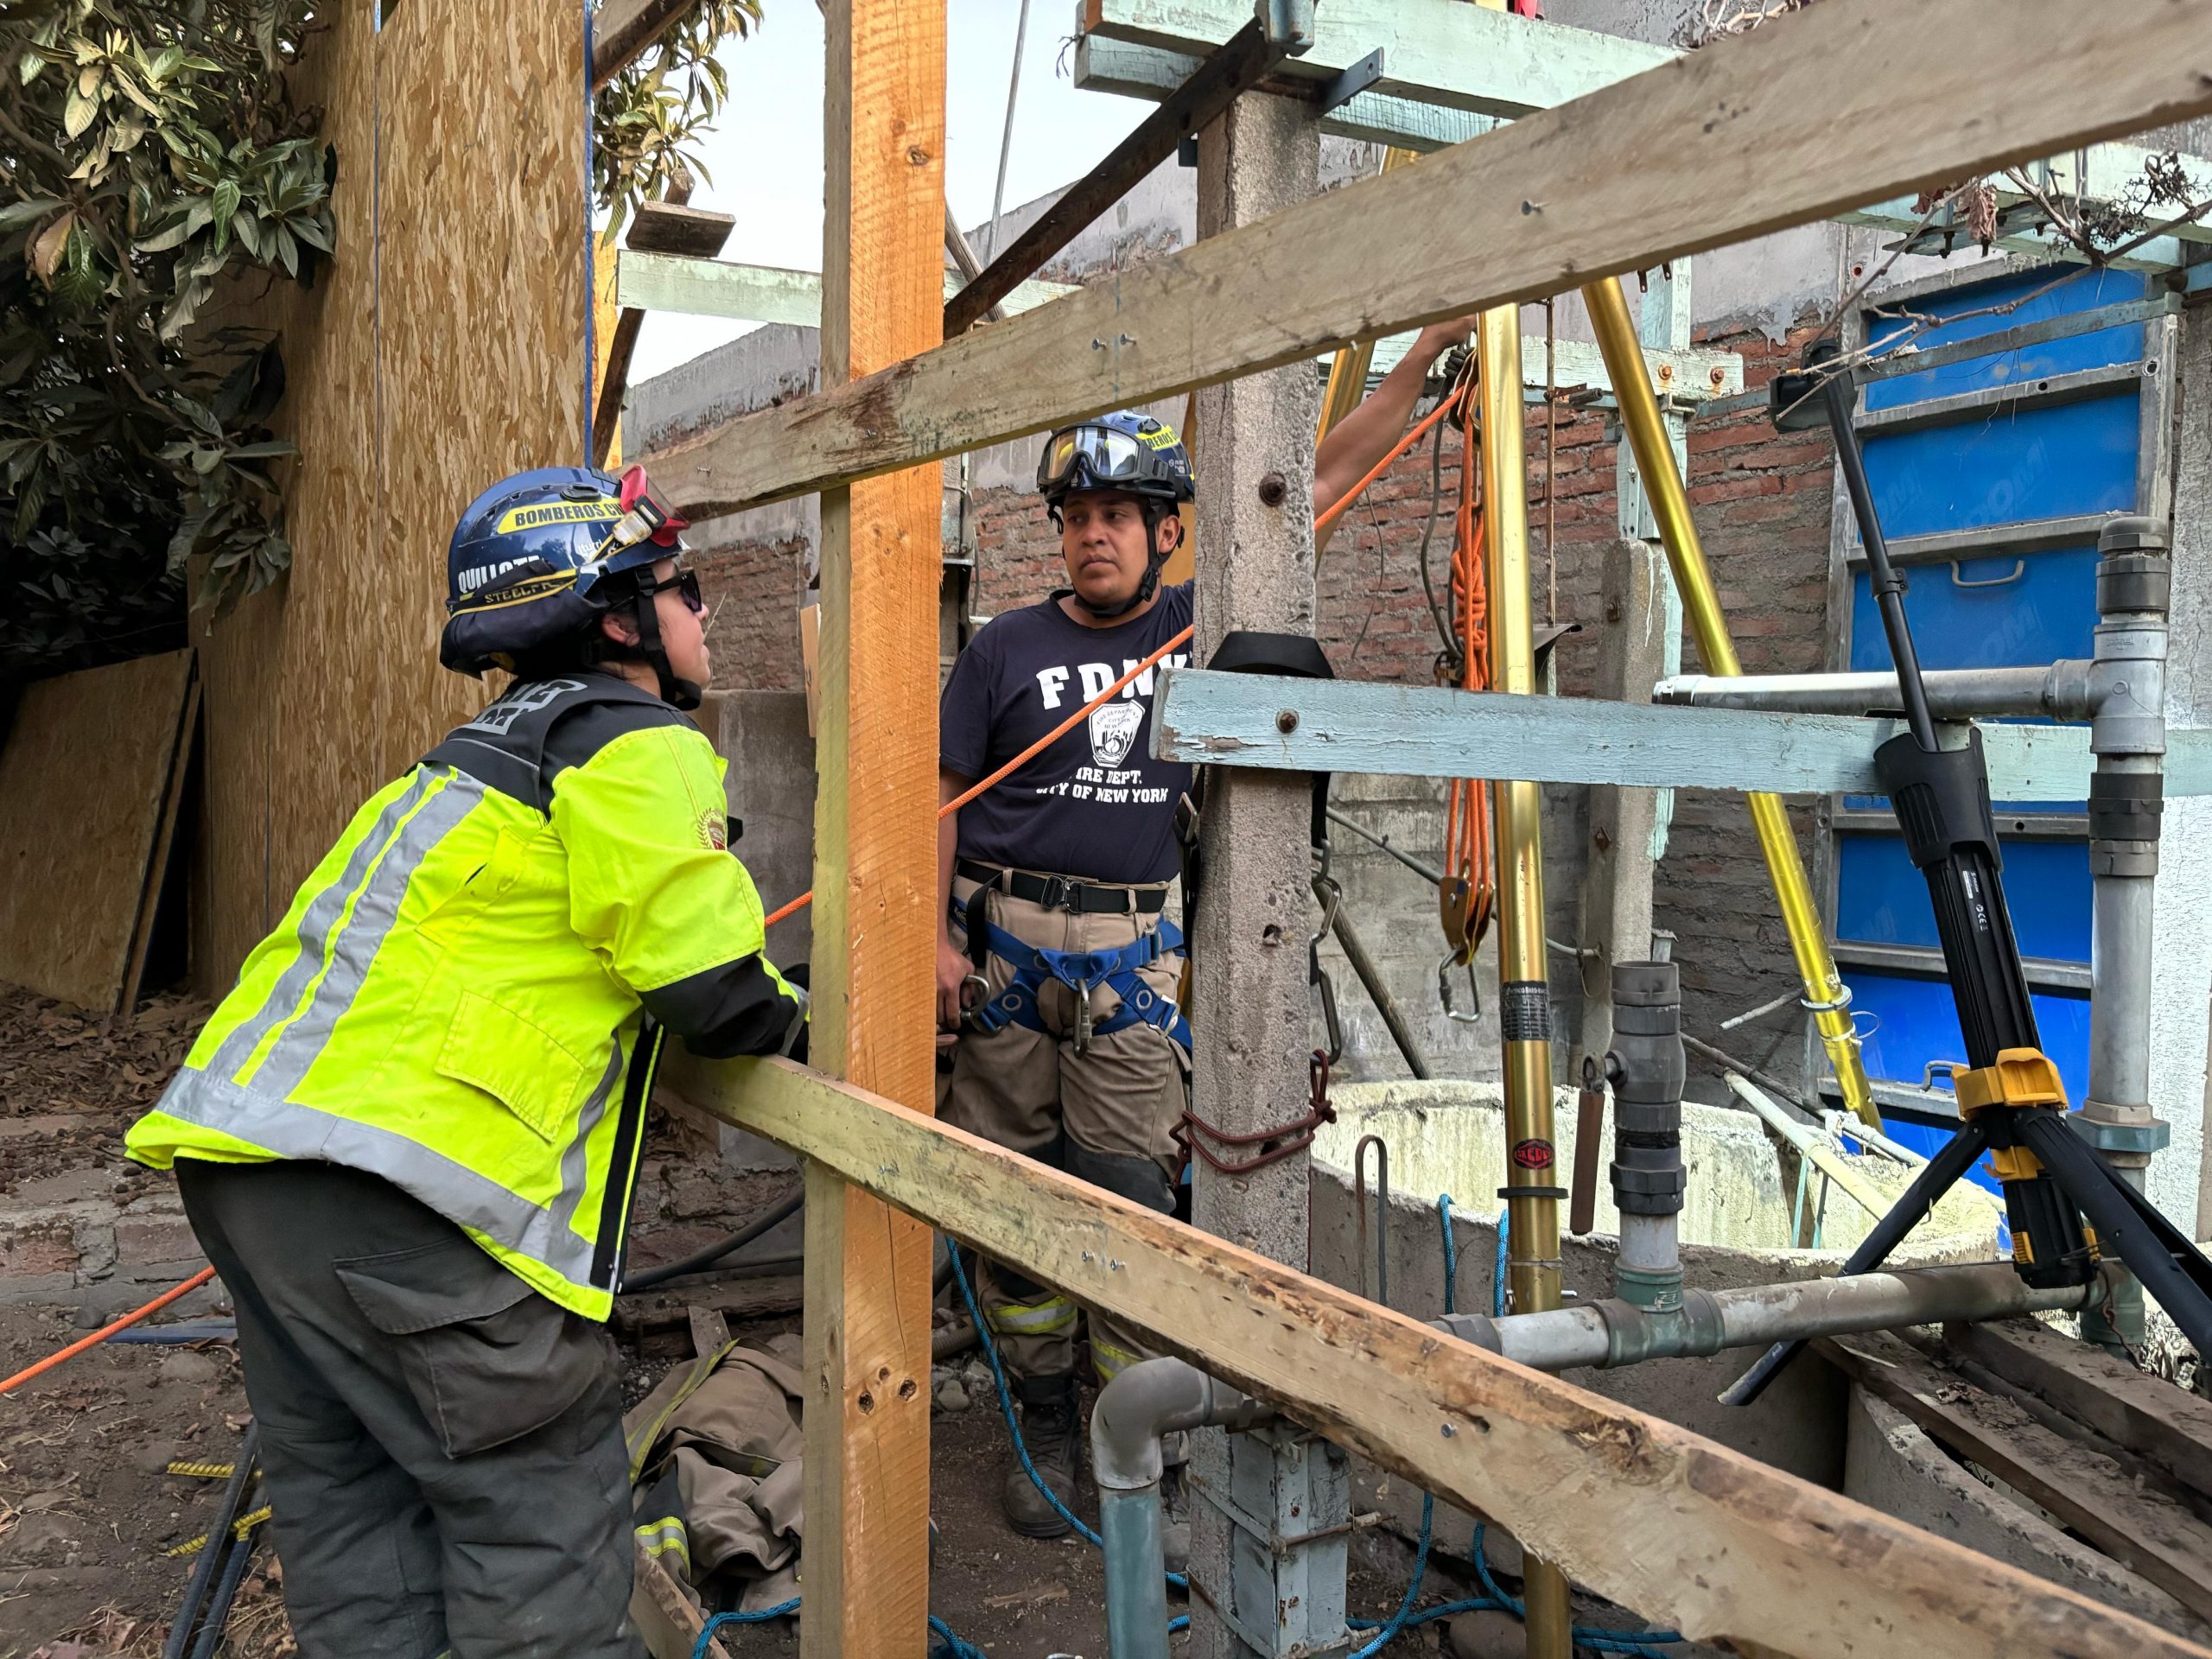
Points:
[[1089, 457]]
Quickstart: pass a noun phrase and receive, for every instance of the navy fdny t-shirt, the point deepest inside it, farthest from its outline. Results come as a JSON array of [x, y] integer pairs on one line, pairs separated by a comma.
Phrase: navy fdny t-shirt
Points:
[[1096, 805]]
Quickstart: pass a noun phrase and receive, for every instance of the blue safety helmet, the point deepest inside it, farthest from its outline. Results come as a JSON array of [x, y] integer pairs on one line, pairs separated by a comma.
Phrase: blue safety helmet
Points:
[[539, 557], [1125, 451]]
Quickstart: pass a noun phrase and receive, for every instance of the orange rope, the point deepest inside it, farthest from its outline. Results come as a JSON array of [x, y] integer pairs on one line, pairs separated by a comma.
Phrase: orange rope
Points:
[[107, 1331], [1025, 756], [1330, 514], [1470, 890]]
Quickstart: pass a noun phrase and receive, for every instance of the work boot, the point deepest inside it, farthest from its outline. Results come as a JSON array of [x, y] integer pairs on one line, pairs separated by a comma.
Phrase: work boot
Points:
[[1175, 1519], [1049, 1426]]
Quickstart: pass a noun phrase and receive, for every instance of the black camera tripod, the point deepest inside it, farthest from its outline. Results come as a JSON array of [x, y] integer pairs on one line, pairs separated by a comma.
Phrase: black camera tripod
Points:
[[2010, 1097]]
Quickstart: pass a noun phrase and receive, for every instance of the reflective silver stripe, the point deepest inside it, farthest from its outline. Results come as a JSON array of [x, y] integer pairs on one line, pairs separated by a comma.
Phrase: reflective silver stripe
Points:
[[576, 1157], [451, 1188], [299, 1043], [315, 922], [1030, 1320]]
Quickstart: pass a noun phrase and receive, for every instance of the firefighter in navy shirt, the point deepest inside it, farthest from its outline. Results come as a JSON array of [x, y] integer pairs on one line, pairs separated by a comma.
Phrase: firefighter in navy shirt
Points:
[[1058, 877]]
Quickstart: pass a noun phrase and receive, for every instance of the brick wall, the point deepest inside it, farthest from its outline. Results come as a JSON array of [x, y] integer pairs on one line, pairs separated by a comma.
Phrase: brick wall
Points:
[[1762, 502], [754, 590]]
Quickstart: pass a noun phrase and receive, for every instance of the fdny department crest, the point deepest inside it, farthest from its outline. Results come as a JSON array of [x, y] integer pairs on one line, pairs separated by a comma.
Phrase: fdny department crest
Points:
[[1114, 732]]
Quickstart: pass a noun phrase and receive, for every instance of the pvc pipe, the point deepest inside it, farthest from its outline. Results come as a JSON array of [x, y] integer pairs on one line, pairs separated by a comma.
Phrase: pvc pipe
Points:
[[1812, 1146], [1144, 1401], [1614, 1332], [2060, 691]]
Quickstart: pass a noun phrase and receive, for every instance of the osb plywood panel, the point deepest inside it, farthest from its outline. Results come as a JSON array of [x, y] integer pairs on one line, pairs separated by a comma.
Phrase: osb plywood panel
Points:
[[443, 350], [83, 778]]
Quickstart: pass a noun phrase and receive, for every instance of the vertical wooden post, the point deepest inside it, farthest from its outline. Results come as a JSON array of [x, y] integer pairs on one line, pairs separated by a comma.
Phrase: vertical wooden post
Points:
[[1250, 1015], [867, 1267]]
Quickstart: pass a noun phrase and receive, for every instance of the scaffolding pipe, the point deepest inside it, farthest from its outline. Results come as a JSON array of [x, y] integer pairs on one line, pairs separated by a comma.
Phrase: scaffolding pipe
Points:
[[2127, 735], [2060, 691], [1363, 966], [1143, 1403], [1532, 1191], [1615, 1332], [1825, 996]]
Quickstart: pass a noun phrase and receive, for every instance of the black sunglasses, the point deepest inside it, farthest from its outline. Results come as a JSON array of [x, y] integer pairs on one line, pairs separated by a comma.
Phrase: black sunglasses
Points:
[[686, 584]]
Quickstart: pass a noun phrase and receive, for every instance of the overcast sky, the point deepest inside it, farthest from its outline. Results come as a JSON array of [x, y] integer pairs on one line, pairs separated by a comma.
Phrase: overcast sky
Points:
[[767, 157]]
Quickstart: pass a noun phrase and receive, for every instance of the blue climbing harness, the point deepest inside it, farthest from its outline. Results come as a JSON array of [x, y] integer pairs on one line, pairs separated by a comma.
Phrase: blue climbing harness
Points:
[[1083, 972]]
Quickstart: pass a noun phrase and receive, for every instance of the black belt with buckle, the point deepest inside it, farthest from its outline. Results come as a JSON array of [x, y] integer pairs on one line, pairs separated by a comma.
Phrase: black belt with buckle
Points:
[[1058, 892]]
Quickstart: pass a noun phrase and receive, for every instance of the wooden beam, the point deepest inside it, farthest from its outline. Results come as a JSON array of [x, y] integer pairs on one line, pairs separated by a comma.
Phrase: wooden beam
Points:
[[1684, 1532], [1253, 720], [622, 29], [677, 227], [1464, 57], [1792, 122], [718, 288], [668, 1623], [867, 1269], [1242, 61], [2140, 1527], [1440, 63], [2162, 1422]]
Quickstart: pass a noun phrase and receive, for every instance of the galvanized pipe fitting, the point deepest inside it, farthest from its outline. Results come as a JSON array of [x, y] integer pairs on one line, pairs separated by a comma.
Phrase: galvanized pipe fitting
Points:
[[1617, 1332]]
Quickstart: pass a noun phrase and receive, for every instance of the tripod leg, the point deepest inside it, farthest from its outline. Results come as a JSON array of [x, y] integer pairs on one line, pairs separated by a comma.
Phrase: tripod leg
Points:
[[1943, 1169], [2169, 1265]]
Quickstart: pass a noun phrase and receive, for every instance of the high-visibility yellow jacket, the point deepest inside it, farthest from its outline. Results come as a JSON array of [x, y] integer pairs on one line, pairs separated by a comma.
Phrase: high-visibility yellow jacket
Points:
[[468, 996]]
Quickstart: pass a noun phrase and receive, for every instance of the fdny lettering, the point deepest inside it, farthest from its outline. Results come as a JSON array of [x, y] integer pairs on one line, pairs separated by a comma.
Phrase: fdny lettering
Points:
[[501, 712], [1052, 682]]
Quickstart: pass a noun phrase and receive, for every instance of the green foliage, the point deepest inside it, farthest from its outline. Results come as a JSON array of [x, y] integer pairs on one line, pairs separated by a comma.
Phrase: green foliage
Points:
[[148, 154], [646, 121]]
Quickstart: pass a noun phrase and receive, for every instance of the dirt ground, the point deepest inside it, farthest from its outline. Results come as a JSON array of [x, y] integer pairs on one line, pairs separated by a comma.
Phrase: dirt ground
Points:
[[87, 1514]]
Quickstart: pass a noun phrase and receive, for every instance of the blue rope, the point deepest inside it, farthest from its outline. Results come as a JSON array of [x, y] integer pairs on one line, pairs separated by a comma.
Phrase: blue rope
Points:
[[1495, 1600], [1497, 1277], [781, 1610], [1013, 1427]]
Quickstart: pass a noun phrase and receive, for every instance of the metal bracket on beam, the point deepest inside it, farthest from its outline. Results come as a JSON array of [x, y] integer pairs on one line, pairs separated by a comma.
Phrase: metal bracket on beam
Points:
[[1341, 90], [1288, 24]]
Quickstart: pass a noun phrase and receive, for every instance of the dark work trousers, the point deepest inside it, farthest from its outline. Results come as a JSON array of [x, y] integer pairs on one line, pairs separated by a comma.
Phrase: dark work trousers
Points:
[[442, 1446]]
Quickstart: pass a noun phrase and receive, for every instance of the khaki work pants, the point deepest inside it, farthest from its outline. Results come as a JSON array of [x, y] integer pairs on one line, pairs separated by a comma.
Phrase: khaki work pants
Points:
[[1106, 1114]]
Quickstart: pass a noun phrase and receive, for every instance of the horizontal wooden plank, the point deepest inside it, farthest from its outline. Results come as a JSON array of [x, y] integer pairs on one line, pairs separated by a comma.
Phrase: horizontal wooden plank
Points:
[[2167, 1425], [1683, 1531], [1440, 63], [1421, 731], [2144, 1530], [676, 227], [1463, 57], [720, 288], [1792, 122]]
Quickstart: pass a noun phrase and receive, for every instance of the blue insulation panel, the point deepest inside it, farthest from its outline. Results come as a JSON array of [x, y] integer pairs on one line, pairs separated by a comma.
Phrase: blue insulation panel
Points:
[[1912, 1023], [2085, 292], [1882, 899], [2037, 462], [2011, 466]]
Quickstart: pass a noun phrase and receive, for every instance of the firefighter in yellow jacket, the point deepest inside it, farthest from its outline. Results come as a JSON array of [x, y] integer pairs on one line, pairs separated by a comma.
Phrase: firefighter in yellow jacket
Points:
[[408, 1138]]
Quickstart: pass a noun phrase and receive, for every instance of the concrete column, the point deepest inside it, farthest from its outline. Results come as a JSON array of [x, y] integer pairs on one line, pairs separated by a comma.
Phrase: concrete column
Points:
[[1639, 643], [1250, 1012], [2180, 1178]]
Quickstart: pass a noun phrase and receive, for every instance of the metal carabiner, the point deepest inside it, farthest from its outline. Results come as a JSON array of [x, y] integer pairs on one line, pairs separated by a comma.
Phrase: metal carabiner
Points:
[[1331, 896], [1082, 1017], [1444, 989]]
